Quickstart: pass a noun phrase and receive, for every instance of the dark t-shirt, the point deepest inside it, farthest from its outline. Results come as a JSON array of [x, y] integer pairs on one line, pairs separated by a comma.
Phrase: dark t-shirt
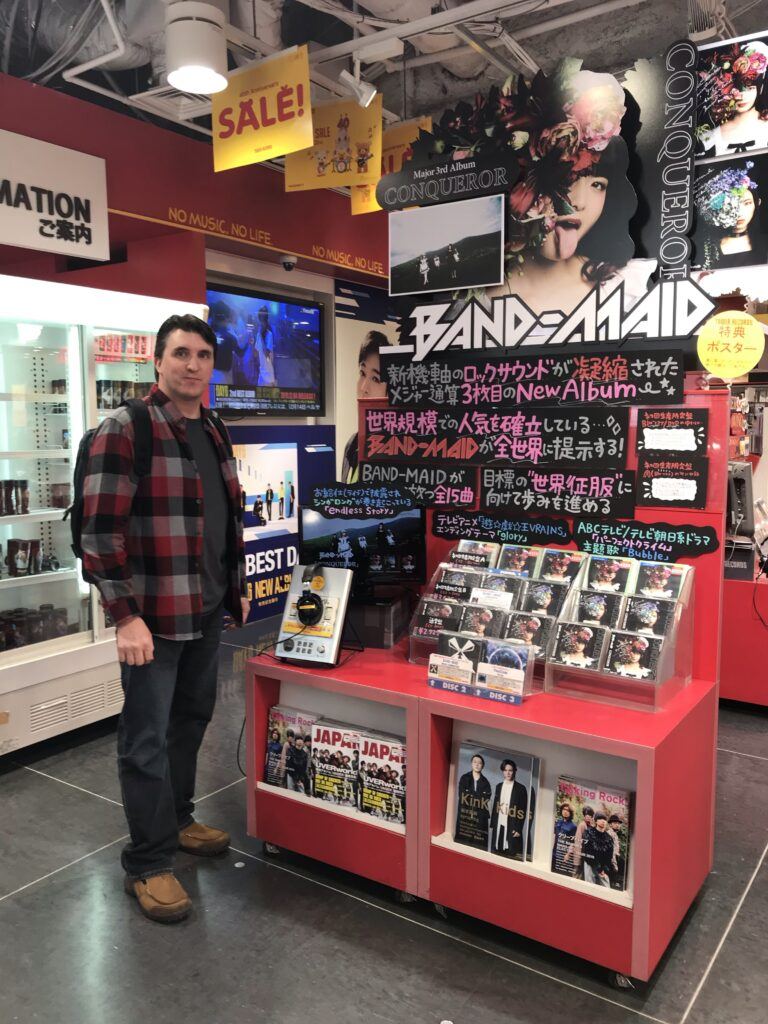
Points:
[[216, 515]]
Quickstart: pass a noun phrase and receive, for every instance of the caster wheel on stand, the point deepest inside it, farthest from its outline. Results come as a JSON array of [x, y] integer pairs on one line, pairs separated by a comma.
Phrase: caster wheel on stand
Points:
[[271, 850], [441, 910], [621, 981], [401, 896]]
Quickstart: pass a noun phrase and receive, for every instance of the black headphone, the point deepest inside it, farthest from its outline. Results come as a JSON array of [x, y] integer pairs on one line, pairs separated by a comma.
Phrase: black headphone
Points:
[[310, 607]]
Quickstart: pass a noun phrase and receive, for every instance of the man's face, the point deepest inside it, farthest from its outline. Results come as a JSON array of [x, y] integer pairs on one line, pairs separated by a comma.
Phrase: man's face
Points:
[[185, 367], [299, 743], [509, 773], [477, 765]]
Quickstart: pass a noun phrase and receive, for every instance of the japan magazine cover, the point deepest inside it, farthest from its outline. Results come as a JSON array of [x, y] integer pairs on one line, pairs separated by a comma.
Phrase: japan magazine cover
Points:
[[592, 832], [289, 748], [382, 777], [335, 762]]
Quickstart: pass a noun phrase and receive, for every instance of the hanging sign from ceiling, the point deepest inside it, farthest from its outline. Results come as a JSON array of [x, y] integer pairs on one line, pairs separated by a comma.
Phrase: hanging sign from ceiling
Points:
[[264, 112], [52, 199], [345, 148]]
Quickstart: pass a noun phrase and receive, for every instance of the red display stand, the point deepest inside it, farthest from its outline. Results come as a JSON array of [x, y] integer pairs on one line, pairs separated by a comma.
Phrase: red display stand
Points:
[[667, 758], [744, 674]]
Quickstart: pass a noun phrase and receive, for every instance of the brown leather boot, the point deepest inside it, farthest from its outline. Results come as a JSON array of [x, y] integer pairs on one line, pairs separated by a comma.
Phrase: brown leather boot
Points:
[[161, 897], [202, 840]]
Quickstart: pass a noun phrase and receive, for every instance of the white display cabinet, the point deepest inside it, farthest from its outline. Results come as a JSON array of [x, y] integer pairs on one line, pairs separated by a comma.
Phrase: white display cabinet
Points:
[[68, 357]]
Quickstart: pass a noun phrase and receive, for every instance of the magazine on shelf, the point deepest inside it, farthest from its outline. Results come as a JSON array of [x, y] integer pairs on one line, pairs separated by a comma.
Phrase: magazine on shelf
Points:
[[526, 628], [434, 615], [557, 565], [659, 579], [335, 762], [494, 800], [382, 776], [592, 832], [610, 575], [634, 656], [542, 598], [595, 608], [578, 646], [289, 748], [649, 616], [480, 553], [456, 583], [519, 559]]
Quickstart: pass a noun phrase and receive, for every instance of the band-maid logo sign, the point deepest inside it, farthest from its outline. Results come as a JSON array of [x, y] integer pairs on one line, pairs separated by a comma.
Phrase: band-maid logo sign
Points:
[[670, 310]]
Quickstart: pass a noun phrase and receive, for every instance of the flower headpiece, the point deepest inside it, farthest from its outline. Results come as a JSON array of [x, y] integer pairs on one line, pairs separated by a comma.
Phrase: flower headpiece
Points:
[[725, 72], [608, 568], [719, 195], [625, 650], [646, 612], [573, 637], [594, 603]]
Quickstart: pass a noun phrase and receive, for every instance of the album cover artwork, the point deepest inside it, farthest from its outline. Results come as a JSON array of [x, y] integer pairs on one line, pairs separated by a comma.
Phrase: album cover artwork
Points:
[[578, 646], [658, 579], [433, 616], [519, 559], [592, 832], [610, 575], [498, 579], [543, 598], [526, 628], [558, 565], [335, 762], [460, 648], [480, 553], [595, 608], [289, 748], [382, 776], [455, 583], [494, 800], [504, 666], [634, 656], [649, 616], [482, 621]]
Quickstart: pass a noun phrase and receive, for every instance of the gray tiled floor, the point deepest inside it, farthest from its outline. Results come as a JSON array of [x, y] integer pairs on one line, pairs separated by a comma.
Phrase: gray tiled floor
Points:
[[286, 940]]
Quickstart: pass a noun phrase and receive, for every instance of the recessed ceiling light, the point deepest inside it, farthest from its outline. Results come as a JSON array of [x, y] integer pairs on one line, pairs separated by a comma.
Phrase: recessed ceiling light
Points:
[[196, 47]]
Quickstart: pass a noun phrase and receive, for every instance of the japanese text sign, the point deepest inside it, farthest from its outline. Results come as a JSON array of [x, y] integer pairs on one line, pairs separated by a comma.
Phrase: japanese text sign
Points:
[[348, 501], [594, 437], [500, 527], [497, 382], [730, 344], [52, 199], [562, 490], [430, 486], [677, 481], [648, 542], [345, 148], [264, 112], [672, 430]]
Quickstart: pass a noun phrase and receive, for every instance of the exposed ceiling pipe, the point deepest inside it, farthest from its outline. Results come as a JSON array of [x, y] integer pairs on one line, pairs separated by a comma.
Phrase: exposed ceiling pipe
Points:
[[442, 20], [481, 46], [551, 25]]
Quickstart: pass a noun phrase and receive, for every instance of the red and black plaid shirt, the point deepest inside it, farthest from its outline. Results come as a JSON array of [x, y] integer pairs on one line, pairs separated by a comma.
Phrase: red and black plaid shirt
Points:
[[143, 539]]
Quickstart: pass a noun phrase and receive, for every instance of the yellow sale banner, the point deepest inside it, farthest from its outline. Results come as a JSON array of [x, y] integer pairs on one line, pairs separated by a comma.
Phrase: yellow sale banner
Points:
[[346, 150], [264, 112], [395, 147]]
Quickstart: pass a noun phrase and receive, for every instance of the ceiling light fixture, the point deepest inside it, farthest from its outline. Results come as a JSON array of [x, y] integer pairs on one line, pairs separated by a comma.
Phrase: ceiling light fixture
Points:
[[196, 47], [363, 92]]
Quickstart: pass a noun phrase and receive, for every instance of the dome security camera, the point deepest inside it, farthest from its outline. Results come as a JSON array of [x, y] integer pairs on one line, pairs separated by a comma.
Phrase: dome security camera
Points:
[[289, 262]]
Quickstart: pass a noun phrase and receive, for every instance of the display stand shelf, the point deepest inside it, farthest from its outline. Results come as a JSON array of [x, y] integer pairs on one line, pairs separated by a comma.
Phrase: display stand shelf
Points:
[[39, 454], [45, 578], [38, 515], [33, 396]]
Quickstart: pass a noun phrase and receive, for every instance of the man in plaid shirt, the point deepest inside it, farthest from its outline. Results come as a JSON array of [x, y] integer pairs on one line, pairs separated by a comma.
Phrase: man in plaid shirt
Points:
[[166, 550]]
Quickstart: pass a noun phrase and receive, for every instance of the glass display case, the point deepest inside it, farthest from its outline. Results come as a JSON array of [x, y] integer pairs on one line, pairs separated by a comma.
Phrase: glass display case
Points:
[[41, 420], [69, 356]]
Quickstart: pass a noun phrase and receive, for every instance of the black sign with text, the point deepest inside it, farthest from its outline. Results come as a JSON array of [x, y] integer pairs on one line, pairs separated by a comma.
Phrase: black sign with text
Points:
[[648, 542], [501, 528], [431, 486], [675, 481], [672, 430], [487, 381], [355, 501], [559, 489], [549, 435]]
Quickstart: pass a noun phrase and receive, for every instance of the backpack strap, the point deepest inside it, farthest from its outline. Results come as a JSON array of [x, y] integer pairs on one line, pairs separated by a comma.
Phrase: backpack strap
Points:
[[142, 427]]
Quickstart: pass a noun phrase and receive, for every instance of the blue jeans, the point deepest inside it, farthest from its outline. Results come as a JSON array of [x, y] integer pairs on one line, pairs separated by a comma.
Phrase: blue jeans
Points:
[[168, 705]]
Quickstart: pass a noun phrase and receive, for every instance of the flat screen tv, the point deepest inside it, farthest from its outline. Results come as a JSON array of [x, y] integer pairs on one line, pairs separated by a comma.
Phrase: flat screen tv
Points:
[[269, 360], [387, 550]]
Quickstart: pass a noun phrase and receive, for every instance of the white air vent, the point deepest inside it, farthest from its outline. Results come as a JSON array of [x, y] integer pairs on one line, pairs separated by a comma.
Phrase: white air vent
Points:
[[114, 692], [48, 714], [85, 702], [165, 101]]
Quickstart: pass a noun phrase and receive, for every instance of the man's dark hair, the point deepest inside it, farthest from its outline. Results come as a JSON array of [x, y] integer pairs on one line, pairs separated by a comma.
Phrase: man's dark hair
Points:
[[588, 811], [183, 322], [372, 344], [614, 817]]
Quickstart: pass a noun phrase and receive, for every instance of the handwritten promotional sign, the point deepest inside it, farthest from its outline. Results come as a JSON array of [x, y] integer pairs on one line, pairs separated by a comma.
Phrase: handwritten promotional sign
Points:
[[345, 148], [559, 489], [678, 481], [730, 344], [430, 486], [672, 430], [596, 437], [488, 382], [500, 527], [649, 542], [351, 501], [396, 143], [264, 112]]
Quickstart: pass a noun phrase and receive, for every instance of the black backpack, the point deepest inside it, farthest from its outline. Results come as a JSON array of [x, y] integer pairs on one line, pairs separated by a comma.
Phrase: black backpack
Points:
[[142, 423]]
